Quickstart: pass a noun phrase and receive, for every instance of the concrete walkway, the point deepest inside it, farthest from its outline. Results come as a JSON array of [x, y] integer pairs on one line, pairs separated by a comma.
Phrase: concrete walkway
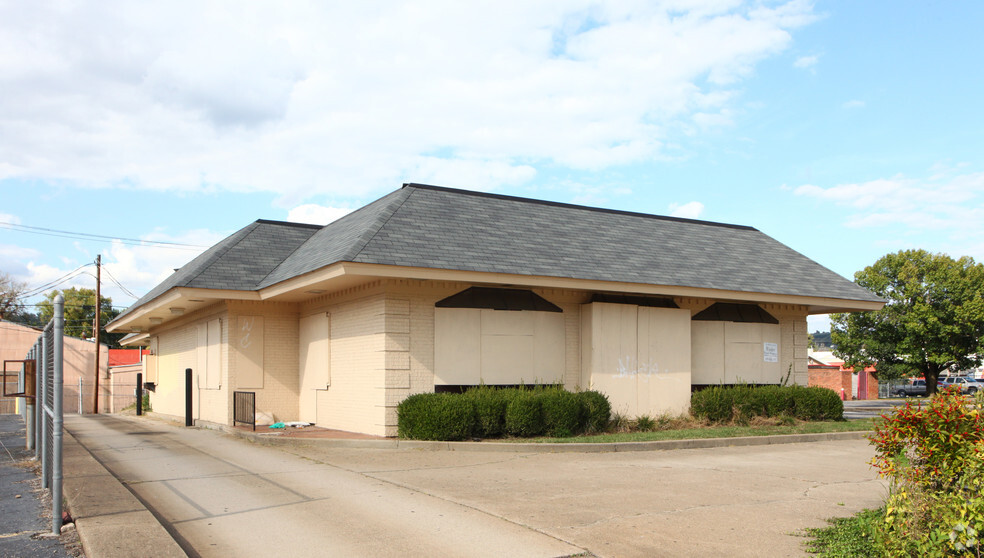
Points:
[[219, 495]]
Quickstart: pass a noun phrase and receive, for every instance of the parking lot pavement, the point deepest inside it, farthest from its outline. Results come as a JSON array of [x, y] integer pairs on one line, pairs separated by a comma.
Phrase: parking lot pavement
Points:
[[725, 501], [24, 528], [221, 495]]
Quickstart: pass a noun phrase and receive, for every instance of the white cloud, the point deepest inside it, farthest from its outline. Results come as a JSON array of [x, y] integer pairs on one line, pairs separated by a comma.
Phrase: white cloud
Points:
[[691, 210], [942, 213], [806, 61], [308, 99], [138, 268], [316, 214], [8, 219], [854, 104]]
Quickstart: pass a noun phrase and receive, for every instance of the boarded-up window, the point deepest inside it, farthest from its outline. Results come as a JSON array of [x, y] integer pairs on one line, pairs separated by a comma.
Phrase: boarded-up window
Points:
[[496, 347], [249, 345], [731, 352], [210, 354], [150, 363], [639, 356]]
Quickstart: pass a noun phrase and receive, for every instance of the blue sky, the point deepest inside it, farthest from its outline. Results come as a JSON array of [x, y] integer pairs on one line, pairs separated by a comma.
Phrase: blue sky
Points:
[[846, 130]]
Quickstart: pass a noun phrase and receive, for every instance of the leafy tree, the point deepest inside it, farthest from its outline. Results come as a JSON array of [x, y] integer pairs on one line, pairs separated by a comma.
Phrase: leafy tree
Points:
[[80, 313], [933, 321], [10, 294]]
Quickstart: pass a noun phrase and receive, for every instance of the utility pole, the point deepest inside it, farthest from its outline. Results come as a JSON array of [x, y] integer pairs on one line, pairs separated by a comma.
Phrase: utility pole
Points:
[[95, 329]]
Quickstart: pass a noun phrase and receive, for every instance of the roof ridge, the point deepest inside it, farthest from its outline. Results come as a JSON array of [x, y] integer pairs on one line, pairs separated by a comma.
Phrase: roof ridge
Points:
[[367, 236], [296, 248], [289, 223], [219, 253], [574, 206]]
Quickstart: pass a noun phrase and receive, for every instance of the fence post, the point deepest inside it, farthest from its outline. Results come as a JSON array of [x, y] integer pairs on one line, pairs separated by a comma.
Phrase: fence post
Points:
[[188, 393], [139, 393], [59, 375]]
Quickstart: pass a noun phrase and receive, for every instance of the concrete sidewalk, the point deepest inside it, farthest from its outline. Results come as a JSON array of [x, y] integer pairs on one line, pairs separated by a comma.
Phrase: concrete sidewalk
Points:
[[225, 492]]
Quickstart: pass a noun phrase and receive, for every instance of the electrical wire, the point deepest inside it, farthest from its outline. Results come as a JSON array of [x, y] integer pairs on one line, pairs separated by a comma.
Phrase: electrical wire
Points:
[[52, 284], [118, 284], [100, 237]]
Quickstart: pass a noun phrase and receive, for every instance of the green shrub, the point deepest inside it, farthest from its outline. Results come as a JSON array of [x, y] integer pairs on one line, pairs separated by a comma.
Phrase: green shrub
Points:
[[564, 413], [816, 403], [742, 402], [716, 404], [599, 410], [490, 410], [435, 416], [524, 414]]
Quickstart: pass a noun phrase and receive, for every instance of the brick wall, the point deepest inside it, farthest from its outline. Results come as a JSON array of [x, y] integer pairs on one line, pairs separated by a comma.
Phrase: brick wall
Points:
[[356, 399], [177, 350], [281, 370]]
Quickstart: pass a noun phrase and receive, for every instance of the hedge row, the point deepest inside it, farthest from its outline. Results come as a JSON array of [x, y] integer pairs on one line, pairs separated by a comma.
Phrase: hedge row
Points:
[[487, 412], [740, 403]]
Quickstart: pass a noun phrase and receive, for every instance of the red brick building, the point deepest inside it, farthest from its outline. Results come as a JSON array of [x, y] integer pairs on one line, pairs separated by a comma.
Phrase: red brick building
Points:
[[828, 371]]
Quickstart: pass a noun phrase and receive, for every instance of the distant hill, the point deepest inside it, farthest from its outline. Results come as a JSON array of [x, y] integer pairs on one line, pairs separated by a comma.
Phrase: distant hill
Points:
[[821, 340]]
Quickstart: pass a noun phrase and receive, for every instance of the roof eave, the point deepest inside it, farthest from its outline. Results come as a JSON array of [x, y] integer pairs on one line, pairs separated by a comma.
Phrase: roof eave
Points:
[[173, 303], [329, 275]]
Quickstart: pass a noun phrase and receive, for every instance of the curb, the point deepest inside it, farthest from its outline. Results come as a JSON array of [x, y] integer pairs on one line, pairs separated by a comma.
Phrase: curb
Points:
[[110, 520], [522, 447]]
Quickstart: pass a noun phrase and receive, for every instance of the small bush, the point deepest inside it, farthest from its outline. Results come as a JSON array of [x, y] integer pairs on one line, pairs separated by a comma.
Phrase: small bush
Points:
[[619, 423], [435, 416], [564, 413], [524, 414], [490, 410], [645, 423], [599, 410]]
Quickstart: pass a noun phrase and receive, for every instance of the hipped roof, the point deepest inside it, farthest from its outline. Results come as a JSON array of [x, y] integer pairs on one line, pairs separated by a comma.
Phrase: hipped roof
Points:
[[440, 228]]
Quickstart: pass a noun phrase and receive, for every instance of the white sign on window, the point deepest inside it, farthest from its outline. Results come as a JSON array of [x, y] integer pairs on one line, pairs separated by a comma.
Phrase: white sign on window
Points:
[[770, 352]]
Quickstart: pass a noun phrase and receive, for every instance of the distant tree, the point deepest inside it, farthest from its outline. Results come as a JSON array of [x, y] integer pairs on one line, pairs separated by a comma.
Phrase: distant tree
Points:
[[10, 294], [933, 320], [80, 314]]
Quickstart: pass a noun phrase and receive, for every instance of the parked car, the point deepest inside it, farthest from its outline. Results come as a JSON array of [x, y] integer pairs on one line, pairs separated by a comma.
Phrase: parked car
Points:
[[967, 386], [915, 387]]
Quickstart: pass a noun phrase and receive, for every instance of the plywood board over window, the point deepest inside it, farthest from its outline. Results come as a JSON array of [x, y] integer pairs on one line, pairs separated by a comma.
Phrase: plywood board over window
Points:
[[209, 354], [497, 347], [249, 345], [638, 356]]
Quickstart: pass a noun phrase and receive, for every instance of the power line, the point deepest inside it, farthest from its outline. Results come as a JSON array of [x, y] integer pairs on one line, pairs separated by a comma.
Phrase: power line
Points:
[[118, 284], [100, 237], [51, 284]]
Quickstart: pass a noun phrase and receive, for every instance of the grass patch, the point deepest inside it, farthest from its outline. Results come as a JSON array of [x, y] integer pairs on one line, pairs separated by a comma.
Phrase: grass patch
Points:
[[847, 537], [691, 429]]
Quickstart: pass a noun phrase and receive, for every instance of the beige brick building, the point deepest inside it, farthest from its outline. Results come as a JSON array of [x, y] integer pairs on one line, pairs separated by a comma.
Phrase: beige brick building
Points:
[[430, 288]]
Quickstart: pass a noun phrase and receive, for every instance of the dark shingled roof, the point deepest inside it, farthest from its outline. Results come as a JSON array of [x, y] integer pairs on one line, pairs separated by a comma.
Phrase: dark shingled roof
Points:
[[443, 228]]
